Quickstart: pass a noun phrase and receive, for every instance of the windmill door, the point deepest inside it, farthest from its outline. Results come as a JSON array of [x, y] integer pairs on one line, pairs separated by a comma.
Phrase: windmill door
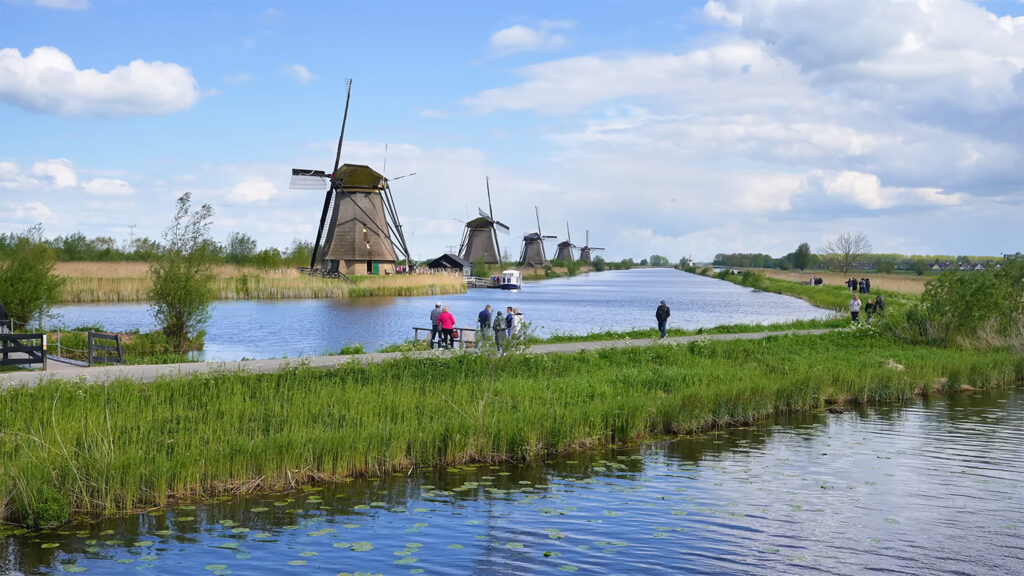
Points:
[[376, 267]]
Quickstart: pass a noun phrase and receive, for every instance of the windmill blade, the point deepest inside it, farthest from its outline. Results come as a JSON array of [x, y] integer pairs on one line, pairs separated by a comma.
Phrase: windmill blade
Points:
[[592, 249], [344, 120], [303, 179], [484, 214], [549, 236], [320, 230], [537, 212], [499, 226]]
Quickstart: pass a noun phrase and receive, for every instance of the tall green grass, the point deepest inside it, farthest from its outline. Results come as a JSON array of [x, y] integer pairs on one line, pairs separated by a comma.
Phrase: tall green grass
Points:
[[73, 446]]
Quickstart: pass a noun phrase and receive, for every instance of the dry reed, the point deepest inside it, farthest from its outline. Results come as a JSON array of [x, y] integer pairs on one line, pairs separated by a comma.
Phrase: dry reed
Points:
[[129, 282], [893, 282]]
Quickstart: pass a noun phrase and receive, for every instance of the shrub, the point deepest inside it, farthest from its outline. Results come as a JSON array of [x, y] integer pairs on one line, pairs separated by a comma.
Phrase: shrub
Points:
[[28, 285], [183, 275]]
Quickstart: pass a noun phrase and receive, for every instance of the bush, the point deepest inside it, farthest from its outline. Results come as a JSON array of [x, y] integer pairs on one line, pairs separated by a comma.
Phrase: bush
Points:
[[183, 275], [28, 285]]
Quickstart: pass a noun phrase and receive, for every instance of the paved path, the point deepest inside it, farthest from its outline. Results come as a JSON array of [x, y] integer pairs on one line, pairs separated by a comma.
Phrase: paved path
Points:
[[148, 373]]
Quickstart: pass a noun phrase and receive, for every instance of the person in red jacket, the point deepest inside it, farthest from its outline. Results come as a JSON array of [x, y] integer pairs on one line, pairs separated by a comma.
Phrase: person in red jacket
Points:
[[447, 322]]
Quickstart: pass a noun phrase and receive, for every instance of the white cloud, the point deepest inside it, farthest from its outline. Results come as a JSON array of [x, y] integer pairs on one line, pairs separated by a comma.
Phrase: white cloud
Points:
[[107, 187], [30, 212], [63, 4], [521, 38], [300, 73], [48, 81], [866, 190], [252, 191], [60, 170]]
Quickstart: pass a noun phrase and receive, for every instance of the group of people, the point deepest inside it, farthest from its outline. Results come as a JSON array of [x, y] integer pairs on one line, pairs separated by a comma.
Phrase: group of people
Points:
[[443, 332], [871, 308], [862, 286], [818, 281], [505, 326]]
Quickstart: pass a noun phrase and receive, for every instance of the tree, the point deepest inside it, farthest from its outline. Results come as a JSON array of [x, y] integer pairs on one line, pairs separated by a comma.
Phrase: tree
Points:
[[802, 256], [183, 275], [659, 260], [267, 258], [844, 251], [240, 248], [885, 265], [28, 285], [919, 266], [299, 253]]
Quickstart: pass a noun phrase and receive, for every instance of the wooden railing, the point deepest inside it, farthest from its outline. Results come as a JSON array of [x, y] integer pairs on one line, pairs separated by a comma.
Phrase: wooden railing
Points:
[[105, 348], [467, 336], [26, 349]]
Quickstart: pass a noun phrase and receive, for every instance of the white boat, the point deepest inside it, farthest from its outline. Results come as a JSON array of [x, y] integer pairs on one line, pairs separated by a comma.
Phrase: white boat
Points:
[[511, 280]]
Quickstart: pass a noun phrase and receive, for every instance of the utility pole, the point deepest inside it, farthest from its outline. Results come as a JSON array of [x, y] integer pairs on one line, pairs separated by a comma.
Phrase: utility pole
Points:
[[131, 235]]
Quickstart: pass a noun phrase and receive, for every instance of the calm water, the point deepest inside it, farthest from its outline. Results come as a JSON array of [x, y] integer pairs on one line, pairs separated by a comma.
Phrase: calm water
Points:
[[933, 487], [613, 300]]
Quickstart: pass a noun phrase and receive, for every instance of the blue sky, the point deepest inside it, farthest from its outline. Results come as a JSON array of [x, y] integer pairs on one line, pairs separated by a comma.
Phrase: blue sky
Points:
[[677, 128]]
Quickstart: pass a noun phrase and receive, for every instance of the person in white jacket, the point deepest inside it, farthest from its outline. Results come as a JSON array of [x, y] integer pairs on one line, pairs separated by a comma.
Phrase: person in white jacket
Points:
[[854, 308]]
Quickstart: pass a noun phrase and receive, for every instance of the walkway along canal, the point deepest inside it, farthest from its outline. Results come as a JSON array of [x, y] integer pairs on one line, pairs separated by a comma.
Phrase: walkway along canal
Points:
[[148, 373]]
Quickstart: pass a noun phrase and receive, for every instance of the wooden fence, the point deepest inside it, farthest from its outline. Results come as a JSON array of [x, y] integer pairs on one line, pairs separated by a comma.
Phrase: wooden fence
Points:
[[105, 348], [22, 349]]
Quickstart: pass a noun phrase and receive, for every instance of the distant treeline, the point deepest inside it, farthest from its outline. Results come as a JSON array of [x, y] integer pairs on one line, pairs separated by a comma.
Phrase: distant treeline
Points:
[[239, 248], [883, 263]]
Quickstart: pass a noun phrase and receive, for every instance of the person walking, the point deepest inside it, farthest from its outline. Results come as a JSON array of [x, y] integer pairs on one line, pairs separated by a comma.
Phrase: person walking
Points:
[[447, 322], [661, 315], [854, 308], [510, 317], [483, 320], [879, 307], [500, 331], [435, 326]]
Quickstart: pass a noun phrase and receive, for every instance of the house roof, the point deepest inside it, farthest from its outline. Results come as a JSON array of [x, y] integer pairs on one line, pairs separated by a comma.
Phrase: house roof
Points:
[[449, 261]]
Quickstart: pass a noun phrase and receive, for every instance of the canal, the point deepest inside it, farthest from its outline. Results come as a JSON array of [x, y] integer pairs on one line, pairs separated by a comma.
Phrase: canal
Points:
[[613, 300]]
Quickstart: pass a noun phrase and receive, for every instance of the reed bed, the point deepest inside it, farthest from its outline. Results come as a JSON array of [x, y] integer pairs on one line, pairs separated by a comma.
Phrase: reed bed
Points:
[[129, 282], [891, 282], [73, 447]]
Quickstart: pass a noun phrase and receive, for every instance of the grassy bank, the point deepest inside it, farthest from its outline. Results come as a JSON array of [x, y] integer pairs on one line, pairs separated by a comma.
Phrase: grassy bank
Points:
[[73, 447], [129, 282], [902, 283]]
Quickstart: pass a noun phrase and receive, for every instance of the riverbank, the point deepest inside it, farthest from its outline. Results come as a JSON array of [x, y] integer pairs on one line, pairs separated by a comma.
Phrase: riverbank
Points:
[[78, 448], [129, 282]]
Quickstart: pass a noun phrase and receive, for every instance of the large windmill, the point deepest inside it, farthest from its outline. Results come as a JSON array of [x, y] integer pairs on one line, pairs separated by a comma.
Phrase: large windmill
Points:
[[533, 255], [359, 224], [586, 249], [480, 238], [565, 247]]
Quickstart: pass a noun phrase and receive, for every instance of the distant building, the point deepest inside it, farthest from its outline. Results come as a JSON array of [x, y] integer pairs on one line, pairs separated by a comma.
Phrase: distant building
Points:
[[452, 262]]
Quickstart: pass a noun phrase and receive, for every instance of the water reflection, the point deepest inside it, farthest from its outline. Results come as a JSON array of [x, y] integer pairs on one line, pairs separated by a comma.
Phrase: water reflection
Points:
[[612, 300], [929, 487]]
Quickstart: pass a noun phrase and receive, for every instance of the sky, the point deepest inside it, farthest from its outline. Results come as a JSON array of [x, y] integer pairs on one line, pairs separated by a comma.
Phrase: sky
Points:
[[679, 128]]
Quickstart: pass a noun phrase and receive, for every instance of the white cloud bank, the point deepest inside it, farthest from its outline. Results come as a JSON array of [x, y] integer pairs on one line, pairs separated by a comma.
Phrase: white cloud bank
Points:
[[47, 81], [50, 178]]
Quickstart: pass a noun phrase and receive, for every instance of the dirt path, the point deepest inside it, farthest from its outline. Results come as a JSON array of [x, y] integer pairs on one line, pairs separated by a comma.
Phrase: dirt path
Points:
[[148, 373]]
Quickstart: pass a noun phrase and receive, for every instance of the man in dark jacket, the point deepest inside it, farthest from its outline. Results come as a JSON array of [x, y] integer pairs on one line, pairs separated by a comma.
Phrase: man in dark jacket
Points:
[[435, 324], [662, 315], [484, 321]]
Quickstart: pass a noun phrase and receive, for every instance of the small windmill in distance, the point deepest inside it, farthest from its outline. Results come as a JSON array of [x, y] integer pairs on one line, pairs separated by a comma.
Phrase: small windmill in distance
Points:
[[565, 247], [480, 238], [533, 255], [587, 249]]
